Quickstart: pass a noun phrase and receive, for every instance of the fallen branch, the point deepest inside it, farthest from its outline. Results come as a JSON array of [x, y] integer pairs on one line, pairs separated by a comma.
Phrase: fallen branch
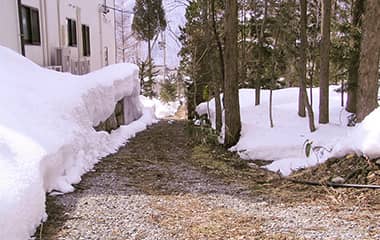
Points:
[[335, 185]]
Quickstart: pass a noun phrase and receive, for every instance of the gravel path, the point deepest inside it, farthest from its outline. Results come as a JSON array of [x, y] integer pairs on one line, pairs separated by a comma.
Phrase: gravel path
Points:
[[163, 186]]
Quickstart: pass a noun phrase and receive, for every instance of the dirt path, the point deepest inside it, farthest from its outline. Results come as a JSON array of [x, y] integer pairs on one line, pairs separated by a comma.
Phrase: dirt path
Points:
[[164, 186]]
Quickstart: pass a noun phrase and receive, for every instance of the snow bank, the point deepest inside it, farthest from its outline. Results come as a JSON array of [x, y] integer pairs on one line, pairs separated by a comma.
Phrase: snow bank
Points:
[[284, 143], [363, 140], [161, 109], [47, 139]]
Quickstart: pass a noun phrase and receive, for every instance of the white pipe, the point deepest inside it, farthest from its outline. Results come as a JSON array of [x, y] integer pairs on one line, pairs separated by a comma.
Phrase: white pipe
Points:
[[43, 44], [79, 36], [19, 46], [115, 30], [48, 60], [101, 37], [59, 23]]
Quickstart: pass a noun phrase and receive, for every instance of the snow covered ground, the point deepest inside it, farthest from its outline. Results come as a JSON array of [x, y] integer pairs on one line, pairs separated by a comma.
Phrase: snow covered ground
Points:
[[285, 142], [161, 109], [47, 139]]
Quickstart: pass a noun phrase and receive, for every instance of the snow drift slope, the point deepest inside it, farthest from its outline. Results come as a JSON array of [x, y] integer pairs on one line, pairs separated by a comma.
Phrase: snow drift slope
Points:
[[285, 142], [47, 140]]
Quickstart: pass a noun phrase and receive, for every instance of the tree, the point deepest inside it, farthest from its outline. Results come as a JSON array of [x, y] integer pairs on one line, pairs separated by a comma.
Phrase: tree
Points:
[[325, 63], [261, 49], [301, 94], [142, 74], [215, 72], [126, 42], [369, 61], [146, 82], [148, 21], [168, 91], [303, 60], [355, 38], [201, 55], [231, 91]]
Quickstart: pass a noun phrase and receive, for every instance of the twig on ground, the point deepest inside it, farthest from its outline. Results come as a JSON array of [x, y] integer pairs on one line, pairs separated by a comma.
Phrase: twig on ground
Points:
[[335, 185]]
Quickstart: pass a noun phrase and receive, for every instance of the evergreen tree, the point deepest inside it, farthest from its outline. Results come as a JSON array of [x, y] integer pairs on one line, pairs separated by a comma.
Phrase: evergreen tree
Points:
[[168, 91], [146, 69], [196, 47], [142, 74], [148, 21]]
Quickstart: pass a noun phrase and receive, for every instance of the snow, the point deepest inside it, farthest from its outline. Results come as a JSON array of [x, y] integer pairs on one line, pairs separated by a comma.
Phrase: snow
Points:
[[363, 140], [47, 139], [161, 109], [284, 144]]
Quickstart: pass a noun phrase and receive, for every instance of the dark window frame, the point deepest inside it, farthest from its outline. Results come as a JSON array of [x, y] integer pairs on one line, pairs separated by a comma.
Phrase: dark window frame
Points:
[[86, 39], [72, 32], [31, 28]]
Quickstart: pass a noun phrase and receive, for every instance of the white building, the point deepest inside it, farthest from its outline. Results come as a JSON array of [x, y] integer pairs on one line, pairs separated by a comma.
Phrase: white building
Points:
[[75, 36]]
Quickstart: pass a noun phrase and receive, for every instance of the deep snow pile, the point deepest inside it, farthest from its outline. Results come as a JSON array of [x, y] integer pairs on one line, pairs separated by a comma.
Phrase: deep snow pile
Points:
[[47, 139], [285, 142]]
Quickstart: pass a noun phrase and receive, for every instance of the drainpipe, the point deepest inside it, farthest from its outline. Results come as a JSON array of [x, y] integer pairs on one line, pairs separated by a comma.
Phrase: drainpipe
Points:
[[122, 37], [101, 37], [19, 6], [79, 36], [115, 30], [59, 24], [48, 60], [43, 43]]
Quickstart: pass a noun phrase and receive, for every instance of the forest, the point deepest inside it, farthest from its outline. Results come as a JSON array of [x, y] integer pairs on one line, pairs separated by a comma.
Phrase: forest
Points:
[[199, 119], [274, 44]]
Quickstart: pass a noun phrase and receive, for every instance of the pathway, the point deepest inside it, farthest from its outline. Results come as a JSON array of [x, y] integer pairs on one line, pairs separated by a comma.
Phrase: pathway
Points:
[[164, 186]]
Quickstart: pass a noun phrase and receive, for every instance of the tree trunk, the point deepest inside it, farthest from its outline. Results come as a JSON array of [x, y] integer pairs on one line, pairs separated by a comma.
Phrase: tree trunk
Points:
[[273, 80], [301, 92], [311, 75], [358, 8], [217, 40], [303, 60], [325, 63], [218, 110], [369, 61], [195, 87], [216, 83], [261, 45], [150, 77], [231, 91], [257, 93], [301, 102], [243, 49], [218, 103]]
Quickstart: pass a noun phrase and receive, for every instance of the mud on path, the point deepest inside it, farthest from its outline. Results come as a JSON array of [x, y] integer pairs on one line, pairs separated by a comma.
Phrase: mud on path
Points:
[[164, 185]]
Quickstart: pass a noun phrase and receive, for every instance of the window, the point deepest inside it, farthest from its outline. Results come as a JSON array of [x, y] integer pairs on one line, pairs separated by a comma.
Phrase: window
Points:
[[86, 40], [30, 25], [72, 32]]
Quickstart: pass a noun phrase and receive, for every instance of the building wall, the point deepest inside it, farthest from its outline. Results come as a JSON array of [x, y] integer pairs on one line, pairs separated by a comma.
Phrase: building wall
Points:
[[53, 27], [9, 34], [36, 52]]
